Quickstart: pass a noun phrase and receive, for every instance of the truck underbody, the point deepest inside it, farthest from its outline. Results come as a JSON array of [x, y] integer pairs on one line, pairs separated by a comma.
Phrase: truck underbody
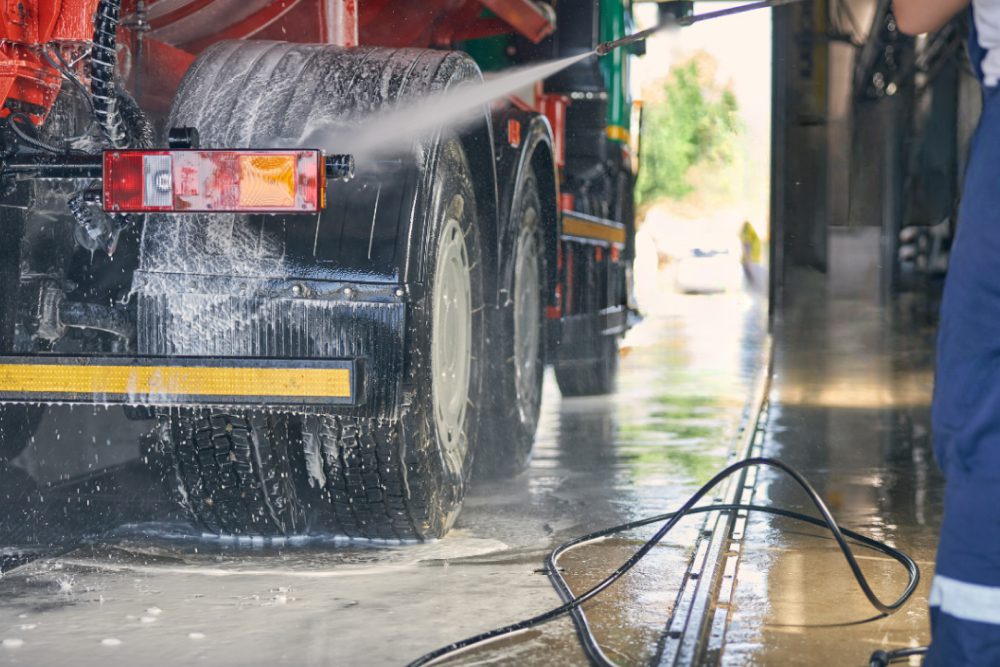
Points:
[[317, 342]]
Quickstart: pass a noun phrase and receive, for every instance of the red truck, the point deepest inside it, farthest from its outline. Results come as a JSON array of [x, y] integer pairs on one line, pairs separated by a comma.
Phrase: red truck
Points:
[[317, 341]]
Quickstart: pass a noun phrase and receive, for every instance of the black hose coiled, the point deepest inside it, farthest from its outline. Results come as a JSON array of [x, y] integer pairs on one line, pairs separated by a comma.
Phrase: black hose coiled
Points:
[[103, 58], [886, 658], [572, 603]]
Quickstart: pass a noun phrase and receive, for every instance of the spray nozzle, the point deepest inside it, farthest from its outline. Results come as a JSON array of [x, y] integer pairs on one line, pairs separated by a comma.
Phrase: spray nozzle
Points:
[[683, 21]]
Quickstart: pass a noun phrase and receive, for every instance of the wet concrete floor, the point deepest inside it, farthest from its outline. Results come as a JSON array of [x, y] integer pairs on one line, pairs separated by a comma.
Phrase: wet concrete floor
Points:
[[127, 582], [851, 410]]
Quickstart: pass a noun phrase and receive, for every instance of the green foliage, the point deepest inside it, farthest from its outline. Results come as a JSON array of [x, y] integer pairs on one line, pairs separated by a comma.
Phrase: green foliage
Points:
[[695, 123]]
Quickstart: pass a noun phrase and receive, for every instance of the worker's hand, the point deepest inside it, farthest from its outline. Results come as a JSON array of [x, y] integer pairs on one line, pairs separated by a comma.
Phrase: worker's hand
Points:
[[919, 16]]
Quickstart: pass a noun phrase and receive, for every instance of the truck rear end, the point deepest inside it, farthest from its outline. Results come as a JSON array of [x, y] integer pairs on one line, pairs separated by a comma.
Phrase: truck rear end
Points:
[[316, 342]]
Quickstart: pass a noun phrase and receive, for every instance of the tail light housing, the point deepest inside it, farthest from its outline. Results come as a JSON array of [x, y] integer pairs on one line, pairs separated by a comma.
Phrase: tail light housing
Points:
[[202, 181]]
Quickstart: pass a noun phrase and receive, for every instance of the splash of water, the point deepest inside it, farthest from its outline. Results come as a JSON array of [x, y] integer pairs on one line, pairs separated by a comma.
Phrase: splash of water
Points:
[[398, 126]]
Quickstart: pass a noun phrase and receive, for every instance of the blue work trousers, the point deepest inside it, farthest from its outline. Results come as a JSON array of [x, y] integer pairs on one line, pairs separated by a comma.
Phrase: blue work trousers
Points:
[[965, 598]]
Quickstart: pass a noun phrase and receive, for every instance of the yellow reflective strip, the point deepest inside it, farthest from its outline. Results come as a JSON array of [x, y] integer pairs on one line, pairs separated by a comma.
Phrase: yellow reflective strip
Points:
[[619, 133], [175, 380], [592, 230]]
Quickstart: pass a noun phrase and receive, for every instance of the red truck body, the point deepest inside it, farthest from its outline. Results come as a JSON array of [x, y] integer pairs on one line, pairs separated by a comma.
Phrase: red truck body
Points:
[[159, 39], [165, 249]]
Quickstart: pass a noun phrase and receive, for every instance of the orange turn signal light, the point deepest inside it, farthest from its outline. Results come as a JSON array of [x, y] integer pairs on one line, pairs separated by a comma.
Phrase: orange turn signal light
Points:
[[267, 181]]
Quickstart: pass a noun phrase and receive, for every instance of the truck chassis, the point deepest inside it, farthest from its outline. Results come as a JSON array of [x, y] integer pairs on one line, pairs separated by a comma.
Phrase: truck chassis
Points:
[[329, 347]]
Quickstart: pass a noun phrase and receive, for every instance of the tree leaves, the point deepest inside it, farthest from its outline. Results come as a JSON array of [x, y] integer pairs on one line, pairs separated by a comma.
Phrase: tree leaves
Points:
[[695, 122]]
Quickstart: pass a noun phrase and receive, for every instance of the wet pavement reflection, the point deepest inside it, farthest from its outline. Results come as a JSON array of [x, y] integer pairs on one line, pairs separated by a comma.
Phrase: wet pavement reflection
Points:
[[118, 577], [851, 411]]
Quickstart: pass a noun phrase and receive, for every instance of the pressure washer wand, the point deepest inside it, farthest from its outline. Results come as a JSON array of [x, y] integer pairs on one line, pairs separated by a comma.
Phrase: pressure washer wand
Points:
[[684, 21]]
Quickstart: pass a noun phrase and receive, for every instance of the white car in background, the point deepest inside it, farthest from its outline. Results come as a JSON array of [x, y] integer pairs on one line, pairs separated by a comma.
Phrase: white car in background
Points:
[[709, 270]]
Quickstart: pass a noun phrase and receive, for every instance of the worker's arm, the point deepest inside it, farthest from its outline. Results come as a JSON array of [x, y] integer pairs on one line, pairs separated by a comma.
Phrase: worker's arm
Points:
[[919, 16]]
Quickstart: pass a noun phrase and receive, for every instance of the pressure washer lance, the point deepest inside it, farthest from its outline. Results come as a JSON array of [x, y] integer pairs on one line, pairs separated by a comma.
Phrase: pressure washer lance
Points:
[[684, 21]]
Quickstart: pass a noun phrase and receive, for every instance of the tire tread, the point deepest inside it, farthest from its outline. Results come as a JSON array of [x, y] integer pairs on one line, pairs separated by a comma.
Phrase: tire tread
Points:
[[234, 472]]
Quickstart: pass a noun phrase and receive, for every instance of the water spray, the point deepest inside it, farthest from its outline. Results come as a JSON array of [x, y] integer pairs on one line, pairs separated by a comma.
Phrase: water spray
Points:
[[396, 127]]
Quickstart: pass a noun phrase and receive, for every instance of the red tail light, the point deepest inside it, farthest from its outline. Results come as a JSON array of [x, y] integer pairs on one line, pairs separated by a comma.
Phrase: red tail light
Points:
[[197, 181]]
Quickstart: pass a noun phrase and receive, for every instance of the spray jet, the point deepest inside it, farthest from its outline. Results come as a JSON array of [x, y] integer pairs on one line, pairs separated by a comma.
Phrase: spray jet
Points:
[[395, 127]]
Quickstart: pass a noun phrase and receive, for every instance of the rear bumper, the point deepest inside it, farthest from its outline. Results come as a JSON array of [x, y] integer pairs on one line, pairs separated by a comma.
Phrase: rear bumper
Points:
[[183, 381], [280, 324]]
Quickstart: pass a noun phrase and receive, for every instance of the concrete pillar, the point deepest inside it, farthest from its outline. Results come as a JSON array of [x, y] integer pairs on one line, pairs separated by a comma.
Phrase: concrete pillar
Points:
[[799, 197]]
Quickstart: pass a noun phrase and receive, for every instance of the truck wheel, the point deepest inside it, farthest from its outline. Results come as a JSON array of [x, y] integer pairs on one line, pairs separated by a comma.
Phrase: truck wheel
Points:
[[399, 476], [18, 423], [233, 471], [405, 478], [591, 377], [516, 378]]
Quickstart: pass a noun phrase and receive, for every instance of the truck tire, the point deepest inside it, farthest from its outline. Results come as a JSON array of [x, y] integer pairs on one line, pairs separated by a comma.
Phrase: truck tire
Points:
[[18, 423], [592, 377], [399, 477], [233, 471], [405, 478], [515, 398]]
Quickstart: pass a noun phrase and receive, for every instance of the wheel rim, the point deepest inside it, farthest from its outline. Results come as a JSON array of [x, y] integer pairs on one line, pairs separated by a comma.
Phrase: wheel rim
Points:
[[527, 321], [451, 349]]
